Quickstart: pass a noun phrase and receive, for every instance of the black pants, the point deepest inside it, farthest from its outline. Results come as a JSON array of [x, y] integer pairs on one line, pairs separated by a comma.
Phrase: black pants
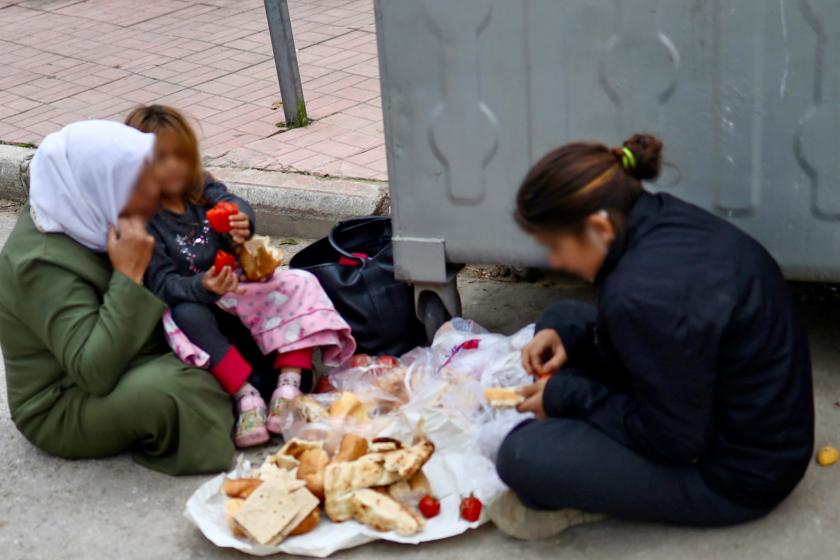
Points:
[[215, 331], [564, 463], [205, 326]]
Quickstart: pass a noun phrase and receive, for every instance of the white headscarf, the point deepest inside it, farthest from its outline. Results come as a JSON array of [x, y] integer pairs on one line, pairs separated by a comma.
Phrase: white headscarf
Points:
[[82, 176]]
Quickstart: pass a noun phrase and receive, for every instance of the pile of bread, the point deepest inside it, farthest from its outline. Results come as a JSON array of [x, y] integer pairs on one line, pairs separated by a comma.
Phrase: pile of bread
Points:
[[376, 482]]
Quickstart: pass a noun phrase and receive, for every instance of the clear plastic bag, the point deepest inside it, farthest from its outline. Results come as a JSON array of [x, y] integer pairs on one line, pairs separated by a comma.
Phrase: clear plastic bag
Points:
[[445, 381]]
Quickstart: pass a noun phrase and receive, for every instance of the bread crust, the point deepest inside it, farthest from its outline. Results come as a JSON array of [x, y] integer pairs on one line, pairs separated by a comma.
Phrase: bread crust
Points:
[[506, 397], [351, 448]]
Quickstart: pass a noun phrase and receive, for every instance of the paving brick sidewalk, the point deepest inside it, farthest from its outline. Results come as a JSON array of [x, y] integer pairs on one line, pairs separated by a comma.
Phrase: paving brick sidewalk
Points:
[[66, 60]]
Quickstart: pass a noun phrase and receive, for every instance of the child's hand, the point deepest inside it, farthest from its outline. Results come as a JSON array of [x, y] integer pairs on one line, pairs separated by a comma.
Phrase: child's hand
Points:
[[240, 228], [222, 282]]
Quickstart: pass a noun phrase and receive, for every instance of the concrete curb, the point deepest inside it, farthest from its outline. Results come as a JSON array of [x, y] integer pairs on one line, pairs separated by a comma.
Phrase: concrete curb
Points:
[[287, 204], [14, 171], [303, 205]]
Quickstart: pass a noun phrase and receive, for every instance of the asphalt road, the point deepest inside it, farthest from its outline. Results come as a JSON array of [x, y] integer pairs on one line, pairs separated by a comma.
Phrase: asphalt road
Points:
[[51, 508]]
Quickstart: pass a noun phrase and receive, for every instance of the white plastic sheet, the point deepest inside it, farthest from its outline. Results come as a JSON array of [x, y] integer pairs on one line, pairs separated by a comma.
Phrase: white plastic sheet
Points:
[[465, 431]]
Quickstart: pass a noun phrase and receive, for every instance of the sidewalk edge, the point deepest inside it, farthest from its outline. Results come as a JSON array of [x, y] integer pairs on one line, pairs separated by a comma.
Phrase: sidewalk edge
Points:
[[289, 204]]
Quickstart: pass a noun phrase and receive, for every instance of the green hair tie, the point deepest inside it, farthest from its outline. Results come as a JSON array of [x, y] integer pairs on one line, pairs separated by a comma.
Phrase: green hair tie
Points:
[[628, 160]]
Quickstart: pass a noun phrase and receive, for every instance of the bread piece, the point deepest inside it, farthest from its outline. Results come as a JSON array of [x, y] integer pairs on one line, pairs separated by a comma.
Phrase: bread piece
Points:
[[369, 471], [508, 397], [391, 381], [382, 444], [272, 512], [313, 464], [307, 524], [310, 409], [231, 507], [382, 447], [408, 461], [352, 447], [259, 259], [387, 443], [268, 512], [383, 513], [285, 462], [411, 491], [240, 487], [338, 490], [348, 405], [295, 447], [270, 471], [304, 503]]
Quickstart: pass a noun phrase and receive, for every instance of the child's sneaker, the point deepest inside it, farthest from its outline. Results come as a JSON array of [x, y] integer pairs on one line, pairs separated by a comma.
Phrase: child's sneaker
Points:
[[250, 424], [281, 400]]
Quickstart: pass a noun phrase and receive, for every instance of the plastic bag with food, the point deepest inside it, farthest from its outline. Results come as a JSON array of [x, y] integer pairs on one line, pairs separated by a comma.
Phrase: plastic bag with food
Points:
[[441, 388], [445, 381]]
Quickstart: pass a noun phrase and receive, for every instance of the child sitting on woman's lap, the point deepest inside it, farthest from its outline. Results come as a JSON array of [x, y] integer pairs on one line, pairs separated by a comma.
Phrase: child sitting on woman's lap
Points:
[[289, 314]]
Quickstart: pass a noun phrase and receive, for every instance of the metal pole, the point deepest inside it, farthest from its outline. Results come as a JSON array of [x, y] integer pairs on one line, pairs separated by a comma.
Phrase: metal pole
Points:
[[285, 60]]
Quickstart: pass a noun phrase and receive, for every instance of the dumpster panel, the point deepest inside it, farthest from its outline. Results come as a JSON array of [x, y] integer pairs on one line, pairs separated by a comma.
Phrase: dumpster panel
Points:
[[745, 96]]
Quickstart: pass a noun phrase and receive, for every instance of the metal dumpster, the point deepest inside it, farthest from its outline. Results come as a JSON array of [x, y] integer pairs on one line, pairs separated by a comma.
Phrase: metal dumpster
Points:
[[746, 96]]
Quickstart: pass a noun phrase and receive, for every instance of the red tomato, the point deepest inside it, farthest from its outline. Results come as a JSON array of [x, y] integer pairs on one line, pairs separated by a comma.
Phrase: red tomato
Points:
[[229, 207], [360, 360], [470, 509], [222, 260], [219, 216], [387, 361], [429, 506]]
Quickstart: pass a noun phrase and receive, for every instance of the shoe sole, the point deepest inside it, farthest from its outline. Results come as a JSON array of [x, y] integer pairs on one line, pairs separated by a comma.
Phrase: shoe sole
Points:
[[517, 521], [252, 440], [274, 426]]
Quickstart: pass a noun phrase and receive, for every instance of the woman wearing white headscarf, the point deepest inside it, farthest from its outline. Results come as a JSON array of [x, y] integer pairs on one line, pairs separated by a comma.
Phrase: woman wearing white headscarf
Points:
[[87, 372]]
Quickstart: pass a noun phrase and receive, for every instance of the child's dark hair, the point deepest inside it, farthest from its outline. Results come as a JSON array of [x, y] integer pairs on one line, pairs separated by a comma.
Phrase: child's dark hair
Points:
[[573, 181], [163, 119]]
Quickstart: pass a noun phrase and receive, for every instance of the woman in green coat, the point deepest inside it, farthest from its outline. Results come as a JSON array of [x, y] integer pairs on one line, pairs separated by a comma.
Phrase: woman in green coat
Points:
[[87, 372]]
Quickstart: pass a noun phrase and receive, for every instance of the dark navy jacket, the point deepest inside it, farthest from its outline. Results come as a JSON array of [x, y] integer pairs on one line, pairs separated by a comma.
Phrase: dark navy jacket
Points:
[[185, 247], [697, 352]]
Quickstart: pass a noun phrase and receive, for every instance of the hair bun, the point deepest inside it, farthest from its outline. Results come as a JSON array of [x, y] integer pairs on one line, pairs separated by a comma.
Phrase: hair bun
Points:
[[648, 151]]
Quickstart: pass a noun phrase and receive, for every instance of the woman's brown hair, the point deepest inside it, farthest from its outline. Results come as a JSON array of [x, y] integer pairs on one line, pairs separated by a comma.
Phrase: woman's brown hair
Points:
[[161, 119], [573, 181]]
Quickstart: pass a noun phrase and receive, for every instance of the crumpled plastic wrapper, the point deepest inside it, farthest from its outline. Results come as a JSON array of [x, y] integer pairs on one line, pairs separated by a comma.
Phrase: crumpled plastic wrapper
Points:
[[440, 387]]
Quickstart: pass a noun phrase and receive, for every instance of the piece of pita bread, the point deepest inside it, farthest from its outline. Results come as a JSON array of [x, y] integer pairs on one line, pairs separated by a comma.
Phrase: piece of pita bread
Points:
[[308, 524], [304, 503], [369, 471], [383, 513], [267, 513], [411, 491]]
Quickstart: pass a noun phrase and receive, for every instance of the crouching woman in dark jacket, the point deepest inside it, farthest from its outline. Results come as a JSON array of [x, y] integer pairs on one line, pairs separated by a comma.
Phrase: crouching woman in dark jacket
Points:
[[685, 396]]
